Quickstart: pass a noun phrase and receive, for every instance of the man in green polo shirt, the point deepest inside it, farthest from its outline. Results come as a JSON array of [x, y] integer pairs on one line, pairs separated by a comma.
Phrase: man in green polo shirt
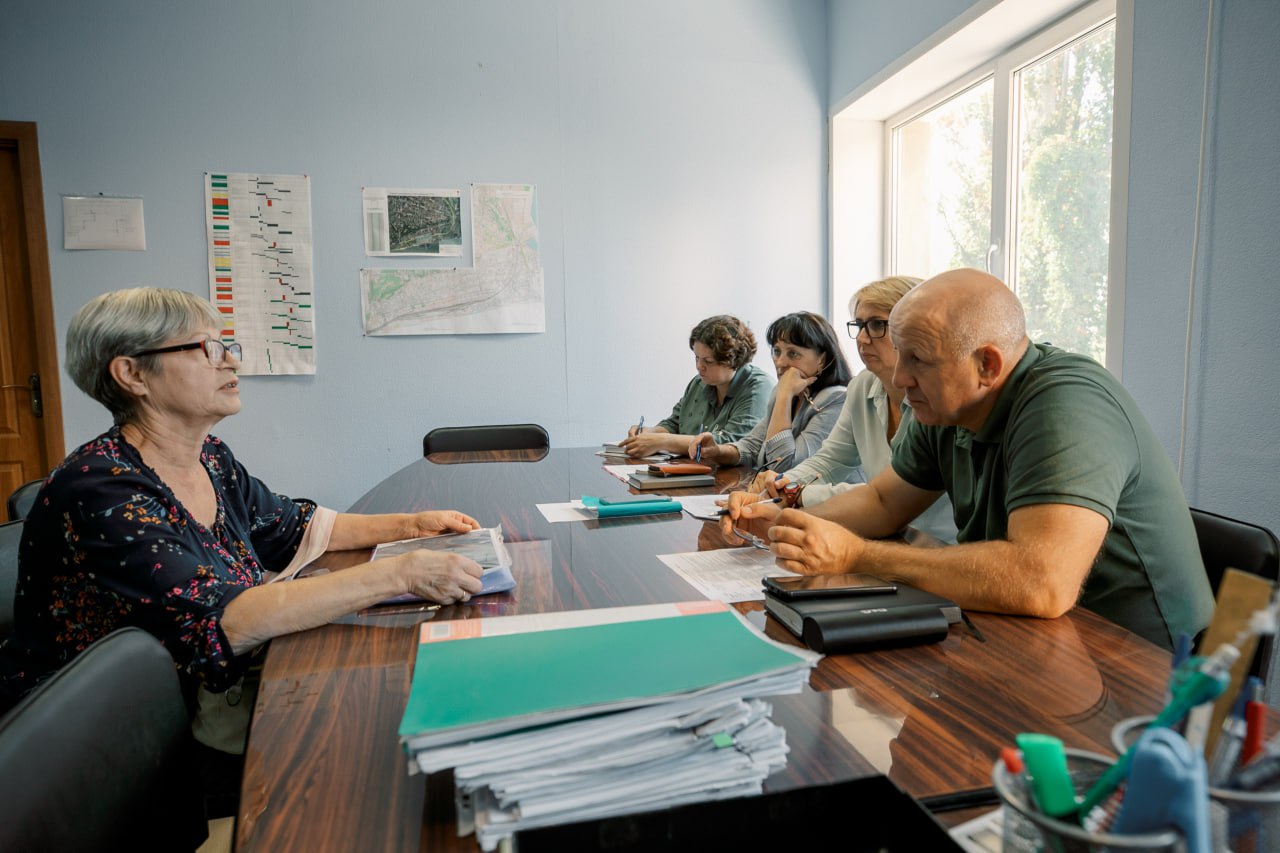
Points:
[[1062, 493]]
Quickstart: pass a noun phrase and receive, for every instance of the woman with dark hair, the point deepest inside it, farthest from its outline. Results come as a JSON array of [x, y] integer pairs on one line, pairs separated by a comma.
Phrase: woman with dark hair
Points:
[[812, 380], [727, 398]]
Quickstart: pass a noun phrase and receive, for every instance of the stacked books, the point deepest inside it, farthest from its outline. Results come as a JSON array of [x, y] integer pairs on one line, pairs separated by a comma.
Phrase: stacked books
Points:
[[672, 476], [560, 717]]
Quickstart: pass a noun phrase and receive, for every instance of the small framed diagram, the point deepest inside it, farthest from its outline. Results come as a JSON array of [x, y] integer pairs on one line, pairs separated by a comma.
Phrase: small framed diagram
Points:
[[403, 222]]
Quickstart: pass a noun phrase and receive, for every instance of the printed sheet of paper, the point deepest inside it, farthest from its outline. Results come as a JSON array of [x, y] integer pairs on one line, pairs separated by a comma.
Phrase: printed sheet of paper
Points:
[[727, 574], [501, 293], [103, 223], [425, 223], [259, 229]]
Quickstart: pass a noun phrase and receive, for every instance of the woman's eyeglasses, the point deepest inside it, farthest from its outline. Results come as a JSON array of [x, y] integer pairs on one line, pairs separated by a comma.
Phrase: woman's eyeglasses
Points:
[[215, 351], [875, 328], [751, 539]]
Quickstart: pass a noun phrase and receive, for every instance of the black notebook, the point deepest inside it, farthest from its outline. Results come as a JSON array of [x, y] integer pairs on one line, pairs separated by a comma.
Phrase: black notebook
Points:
[[854, 623]]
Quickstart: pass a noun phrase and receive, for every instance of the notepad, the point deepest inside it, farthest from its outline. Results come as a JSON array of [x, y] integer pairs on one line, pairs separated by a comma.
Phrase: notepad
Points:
[[480, 677], [643, 481]]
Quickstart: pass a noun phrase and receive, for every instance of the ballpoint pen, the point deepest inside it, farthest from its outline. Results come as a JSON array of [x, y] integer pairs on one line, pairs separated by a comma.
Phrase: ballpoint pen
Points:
[[723, 511], [697, 454]]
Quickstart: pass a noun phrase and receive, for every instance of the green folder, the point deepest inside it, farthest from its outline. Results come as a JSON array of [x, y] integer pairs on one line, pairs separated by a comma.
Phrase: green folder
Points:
[[479, 686], [656, 506]]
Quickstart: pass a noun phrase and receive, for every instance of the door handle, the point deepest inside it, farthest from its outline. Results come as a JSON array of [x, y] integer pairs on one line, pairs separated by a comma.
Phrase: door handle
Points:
[[37, 400]]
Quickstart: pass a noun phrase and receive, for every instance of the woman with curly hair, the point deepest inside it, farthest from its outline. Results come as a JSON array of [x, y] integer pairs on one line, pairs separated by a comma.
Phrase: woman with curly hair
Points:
[[727, 398]]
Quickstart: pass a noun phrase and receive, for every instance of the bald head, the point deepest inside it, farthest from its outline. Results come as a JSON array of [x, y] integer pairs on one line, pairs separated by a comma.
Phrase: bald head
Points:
[[968, 309]]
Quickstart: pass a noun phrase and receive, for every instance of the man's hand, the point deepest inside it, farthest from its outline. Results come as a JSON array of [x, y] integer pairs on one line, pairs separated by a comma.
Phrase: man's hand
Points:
[[812, 546]]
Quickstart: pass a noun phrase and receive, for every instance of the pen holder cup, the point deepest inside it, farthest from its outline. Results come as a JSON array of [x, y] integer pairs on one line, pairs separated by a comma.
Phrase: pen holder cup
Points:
[[1242, 821], [1026, 830]]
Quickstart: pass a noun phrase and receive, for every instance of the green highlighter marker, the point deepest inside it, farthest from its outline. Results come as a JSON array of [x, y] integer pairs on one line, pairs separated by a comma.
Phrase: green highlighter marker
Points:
[[1050, 782]]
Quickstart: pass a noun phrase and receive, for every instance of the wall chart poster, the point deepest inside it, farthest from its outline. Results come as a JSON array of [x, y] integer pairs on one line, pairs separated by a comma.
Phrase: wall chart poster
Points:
[[502, 292], [260, 274]]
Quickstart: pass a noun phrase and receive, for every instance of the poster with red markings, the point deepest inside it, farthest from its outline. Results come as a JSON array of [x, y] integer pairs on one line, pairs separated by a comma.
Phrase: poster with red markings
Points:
[[260, 275]]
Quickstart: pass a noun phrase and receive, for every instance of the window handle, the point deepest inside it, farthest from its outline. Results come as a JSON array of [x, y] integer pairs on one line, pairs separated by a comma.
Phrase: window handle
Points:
[[991, 251]]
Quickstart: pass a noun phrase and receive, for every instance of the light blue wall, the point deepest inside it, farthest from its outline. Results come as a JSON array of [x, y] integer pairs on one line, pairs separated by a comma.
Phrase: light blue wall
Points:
[[1232, 458], [866, 35], [678, 149]]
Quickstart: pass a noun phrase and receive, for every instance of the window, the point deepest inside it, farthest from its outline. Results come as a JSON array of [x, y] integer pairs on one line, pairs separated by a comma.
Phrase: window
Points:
[[1009, 170]]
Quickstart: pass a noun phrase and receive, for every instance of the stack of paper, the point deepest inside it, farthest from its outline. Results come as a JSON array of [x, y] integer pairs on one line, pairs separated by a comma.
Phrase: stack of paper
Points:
[[561, 717]]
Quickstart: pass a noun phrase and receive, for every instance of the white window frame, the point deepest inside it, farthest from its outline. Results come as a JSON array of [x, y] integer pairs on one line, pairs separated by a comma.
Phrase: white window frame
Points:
[[992, 38]]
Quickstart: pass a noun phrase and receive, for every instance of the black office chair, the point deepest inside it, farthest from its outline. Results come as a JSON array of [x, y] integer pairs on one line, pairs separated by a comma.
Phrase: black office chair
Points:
[[97, 757], [1228, 543], [10, 535], [22, 499], [489, 437]]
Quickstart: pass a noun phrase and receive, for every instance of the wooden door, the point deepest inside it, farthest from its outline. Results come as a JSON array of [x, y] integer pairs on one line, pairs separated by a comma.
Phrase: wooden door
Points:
[[30, 405]]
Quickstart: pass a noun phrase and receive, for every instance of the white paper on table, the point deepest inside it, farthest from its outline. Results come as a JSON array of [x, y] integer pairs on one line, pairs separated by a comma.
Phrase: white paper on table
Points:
[[704, 507], [727, 574], [570, 511], [622, 472]]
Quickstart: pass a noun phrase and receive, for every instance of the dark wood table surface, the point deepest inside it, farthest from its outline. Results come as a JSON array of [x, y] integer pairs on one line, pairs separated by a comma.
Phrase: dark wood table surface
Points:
[[324, 769]]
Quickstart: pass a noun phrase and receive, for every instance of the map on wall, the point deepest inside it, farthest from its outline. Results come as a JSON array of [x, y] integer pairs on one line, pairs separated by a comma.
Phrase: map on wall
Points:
[[412, 222], [502, 292], [259, 229]]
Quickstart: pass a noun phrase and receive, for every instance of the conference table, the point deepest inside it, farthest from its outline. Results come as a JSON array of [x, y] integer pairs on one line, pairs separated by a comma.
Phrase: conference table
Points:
[[324, 769]]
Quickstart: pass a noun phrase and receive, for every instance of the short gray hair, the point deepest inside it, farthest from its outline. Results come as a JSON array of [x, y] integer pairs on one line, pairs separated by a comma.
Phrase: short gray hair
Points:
[[124, 322]]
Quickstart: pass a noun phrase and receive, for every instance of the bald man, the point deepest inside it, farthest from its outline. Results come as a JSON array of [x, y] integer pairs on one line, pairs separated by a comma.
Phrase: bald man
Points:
[[1062, 494]]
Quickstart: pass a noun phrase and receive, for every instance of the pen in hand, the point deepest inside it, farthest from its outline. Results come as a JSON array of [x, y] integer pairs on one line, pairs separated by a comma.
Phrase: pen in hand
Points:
[[697, 453], [723, 511]]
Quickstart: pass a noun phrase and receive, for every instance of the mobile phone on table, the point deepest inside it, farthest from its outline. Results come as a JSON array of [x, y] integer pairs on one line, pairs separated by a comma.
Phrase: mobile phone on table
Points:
[[822, 586], [633, 499]]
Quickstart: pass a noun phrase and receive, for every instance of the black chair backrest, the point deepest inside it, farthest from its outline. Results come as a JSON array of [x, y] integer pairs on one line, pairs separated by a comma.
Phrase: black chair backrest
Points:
[[489, 437], [98, 757], [1229, 543], [10, 536], [20, 502]]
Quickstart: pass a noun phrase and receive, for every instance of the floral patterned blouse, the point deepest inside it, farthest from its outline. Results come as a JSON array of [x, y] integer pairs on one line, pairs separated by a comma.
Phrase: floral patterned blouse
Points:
[[107, 544]]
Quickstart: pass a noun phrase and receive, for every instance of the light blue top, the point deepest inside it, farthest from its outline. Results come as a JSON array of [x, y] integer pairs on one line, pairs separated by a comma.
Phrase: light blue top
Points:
[[810, 426]]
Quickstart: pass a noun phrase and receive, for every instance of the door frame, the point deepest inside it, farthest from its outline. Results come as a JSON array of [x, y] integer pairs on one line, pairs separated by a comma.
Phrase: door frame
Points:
[[22, 134]]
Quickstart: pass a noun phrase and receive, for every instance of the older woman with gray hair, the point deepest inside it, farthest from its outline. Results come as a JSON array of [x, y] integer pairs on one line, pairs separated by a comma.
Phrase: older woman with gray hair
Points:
[[155, 524]]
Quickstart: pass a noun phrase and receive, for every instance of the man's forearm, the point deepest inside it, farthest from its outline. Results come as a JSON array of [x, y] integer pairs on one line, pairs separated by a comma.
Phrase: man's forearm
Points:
[[996, 576], [858, 510]]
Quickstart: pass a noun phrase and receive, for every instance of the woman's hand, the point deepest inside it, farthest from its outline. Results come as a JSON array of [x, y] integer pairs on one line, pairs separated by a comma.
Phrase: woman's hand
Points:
[[646, 443], [710, 450], [743, 507], [441, 577], [767, 483], [433, 522], [792, 382]]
